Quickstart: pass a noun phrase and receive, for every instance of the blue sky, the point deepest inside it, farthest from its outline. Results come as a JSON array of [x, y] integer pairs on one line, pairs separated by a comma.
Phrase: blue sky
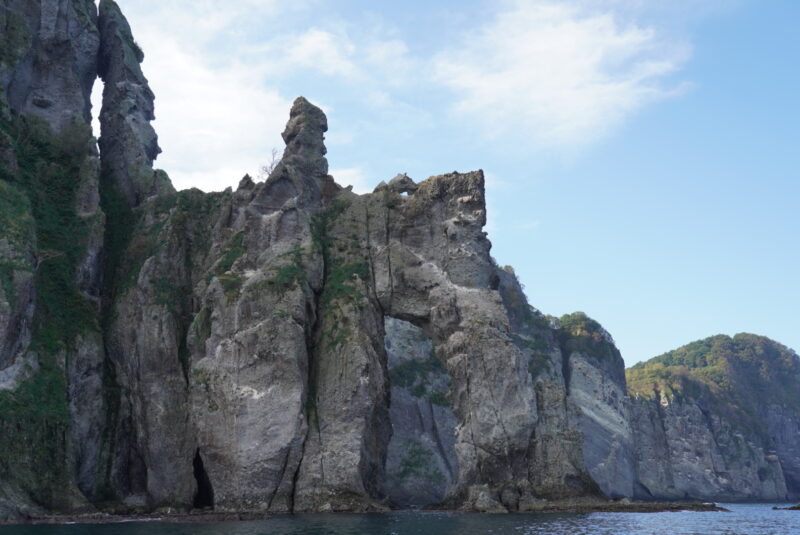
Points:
[[642, 157]]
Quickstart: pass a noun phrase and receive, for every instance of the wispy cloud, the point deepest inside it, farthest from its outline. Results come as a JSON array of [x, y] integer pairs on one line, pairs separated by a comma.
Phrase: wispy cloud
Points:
[[560, 73], [557, 74], [215, 117]]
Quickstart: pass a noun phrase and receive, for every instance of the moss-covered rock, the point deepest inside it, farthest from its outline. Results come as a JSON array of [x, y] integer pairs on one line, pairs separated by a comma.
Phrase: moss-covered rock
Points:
[[43, 240]]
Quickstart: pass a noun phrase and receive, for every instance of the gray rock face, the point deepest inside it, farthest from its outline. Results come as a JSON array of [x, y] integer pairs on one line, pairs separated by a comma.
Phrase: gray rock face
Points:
[[128, 143], [49, 58], [421, 462], [604, 423], [48, 65], [683, 451], [718, 419], [595, 377], [260, 379], [783, 425], [556, 467]]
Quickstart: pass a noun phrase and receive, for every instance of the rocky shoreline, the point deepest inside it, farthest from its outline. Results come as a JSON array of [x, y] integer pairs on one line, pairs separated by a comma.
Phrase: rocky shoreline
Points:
[[558, 507]]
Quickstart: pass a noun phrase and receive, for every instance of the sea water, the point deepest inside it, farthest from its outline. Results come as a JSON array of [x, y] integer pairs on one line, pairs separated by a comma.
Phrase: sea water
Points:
[[744, 519]]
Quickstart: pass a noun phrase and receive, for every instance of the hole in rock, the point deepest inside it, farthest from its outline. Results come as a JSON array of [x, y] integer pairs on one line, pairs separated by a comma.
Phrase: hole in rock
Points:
[[421, 463], [204, 497], [96, 101]]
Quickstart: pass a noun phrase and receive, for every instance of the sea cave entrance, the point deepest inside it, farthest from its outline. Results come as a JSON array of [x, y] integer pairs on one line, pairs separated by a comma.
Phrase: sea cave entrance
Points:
[[421, 462], [204, 497]]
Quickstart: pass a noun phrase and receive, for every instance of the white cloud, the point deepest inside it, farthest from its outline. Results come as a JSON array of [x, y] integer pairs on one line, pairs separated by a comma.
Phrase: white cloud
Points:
[[215, 117], [354, 176], [556, 74], [562, 73], [320, 50], [210, 118], [219, 111]]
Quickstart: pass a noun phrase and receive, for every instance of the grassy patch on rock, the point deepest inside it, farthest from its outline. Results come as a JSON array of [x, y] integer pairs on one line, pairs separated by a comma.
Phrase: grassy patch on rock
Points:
[[34, 419]]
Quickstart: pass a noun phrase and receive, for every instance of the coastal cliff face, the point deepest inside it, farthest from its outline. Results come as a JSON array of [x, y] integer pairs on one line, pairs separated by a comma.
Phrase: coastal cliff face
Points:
[[184, 349], [717, 419], [253, 343], [595, 375], [51, 345], [293, 346]]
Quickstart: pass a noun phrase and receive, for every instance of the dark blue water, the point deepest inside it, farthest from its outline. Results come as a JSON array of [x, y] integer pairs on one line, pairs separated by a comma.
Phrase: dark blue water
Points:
[[743, 520]]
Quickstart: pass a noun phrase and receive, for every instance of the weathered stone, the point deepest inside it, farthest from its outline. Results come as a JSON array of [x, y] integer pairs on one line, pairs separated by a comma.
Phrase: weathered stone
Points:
[[595, 380], [128, 143], [49, 59], [421, 462], [17, 266], [717, 419], [48, 65], [685, 452]]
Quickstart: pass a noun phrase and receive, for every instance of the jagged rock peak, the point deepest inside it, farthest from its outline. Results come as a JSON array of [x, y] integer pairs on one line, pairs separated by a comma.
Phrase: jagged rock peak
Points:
[[301, 177], [402, 183], [305, 131], [128, 144], [120, 56]]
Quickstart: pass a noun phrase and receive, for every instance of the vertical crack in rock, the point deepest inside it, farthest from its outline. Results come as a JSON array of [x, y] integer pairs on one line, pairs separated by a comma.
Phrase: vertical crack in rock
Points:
[[204, 497]]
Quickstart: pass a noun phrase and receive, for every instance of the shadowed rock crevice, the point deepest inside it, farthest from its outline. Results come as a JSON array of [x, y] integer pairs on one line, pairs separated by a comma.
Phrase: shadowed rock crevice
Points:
[[204, 497]]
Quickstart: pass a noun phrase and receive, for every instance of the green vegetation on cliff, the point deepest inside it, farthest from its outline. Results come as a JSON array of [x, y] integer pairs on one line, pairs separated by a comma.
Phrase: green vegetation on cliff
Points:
[[737, 377], [754, 368], [578, 333], [418, 376], [34, 420], [16, 230], [14, 36]]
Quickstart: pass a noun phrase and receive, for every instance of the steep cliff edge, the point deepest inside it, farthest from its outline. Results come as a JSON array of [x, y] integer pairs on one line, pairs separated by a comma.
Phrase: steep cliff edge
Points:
[[51, 348], [718, 419], [251, 343], [595, 377]]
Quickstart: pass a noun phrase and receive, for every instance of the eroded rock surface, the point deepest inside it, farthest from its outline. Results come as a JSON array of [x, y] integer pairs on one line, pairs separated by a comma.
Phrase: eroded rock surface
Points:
[[267, 319], [128, 142], [683, 452], [421, 463], [717, 419], [596, 385], [48, 62], [52, 410]]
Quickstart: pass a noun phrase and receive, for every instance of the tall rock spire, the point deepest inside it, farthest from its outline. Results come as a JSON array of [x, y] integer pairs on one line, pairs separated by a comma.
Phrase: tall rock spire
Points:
[[128, 143], [301, 177]]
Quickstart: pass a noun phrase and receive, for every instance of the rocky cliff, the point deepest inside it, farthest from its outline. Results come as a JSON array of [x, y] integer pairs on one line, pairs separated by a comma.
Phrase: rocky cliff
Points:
[[595, 374], [717, 419], [51, 345], [293, 346]]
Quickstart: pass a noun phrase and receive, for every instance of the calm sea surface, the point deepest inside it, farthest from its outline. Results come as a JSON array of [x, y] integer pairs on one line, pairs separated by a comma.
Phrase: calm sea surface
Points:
[[744, 519]]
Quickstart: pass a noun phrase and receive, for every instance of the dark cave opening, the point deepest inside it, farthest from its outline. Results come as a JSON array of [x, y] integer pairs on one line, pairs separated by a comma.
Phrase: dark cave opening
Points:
[[204, 497]]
